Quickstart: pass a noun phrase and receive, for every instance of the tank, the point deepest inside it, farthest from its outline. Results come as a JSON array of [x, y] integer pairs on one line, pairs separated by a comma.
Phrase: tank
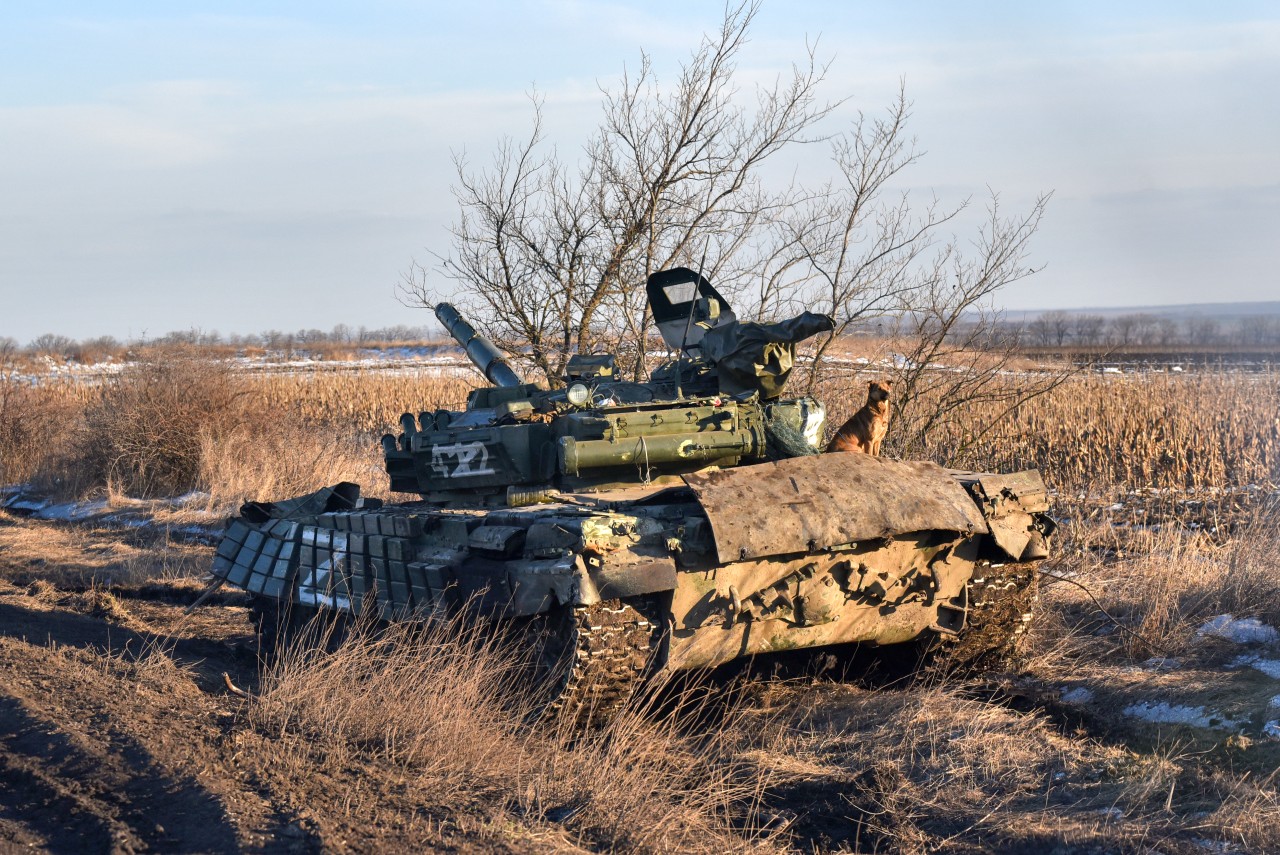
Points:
[[626, 529]]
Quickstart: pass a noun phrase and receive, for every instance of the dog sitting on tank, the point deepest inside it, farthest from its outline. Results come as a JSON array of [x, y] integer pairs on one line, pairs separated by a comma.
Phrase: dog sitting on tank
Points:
[[865, 431]]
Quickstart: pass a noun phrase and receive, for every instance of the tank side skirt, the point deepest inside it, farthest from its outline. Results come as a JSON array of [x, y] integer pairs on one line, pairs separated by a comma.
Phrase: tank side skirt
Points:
[[884, 592]]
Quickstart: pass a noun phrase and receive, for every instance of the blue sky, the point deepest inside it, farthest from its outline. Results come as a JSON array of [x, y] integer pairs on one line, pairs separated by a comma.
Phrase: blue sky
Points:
[[240, 166]]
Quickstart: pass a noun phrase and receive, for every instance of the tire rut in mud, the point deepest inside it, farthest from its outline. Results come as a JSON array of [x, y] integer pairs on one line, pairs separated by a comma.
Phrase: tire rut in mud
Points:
[[81, 789]]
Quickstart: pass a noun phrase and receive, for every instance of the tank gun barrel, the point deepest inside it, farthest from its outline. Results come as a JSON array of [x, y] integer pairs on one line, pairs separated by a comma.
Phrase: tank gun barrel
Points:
[[479, 349]]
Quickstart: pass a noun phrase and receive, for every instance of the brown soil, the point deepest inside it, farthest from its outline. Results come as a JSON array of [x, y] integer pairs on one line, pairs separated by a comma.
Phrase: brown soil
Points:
[[118, 732]]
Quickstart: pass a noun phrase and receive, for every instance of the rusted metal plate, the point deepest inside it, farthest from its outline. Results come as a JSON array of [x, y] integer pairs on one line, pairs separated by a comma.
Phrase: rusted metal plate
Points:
[[825, 500], [1013, 505], [1025, 490]]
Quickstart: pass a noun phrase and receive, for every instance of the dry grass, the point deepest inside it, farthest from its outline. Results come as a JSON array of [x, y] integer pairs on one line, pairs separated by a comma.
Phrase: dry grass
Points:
[[448, 708], [35, 427], [245, 435], [925, 770], [1101, 435], [288, 460], [74, 557], [363, 402], [1159, 586], [175, 421]]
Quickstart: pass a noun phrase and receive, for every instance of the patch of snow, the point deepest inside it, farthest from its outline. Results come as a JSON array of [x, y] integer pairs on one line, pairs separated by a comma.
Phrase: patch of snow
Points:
[[19, 503], [1274, 703], [1271, 729], [1213, 845], [1111, 813], [1239, 630], [1078, 695], [1270, 667], [73, 511], [1164, 712], [1162, 663]]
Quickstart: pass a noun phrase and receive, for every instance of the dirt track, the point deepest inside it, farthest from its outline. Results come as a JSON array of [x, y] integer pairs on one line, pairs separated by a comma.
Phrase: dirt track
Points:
[[118, 734], [106, 746]]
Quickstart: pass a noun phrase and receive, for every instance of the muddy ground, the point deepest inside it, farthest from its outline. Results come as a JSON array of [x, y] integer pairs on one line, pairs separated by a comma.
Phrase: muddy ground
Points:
[[119, 733]]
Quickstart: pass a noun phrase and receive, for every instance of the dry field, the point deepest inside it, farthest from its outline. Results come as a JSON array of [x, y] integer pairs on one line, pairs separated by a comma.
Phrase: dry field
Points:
[[1135, 724]]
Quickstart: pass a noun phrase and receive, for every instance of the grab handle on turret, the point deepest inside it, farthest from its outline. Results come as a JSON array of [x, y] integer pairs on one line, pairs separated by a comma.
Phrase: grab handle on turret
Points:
[[479, 349]]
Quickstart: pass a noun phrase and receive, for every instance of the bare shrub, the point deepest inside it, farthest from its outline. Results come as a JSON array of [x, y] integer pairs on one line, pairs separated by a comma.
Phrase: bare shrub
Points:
[[146, 431], [262, 462], [36, 422]]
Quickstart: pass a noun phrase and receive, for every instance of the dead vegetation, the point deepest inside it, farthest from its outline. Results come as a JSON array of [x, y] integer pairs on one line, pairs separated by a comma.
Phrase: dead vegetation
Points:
[[419, 740], [175, 421], [173, 424], [449, 710], [1096, 436], [1161, 585]]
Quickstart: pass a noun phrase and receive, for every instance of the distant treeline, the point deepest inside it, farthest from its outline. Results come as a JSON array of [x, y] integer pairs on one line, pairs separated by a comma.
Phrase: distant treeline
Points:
[[1061, 329], [1049, 329], [341, 336]]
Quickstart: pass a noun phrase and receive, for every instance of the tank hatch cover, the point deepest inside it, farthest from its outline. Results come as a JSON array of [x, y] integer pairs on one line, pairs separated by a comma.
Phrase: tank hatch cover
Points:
[[804, 504]]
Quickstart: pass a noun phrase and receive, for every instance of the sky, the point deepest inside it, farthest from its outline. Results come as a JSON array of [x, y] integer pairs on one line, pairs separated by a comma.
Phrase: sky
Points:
[[239, 167]]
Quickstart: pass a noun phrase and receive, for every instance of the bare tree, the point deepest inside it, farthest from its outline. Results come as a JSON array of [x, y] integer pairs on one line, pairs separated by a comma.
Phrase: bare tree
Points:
[[550, 253], [1145, 328], [1202, 330], [1123, 329], [1039, 331], [962, 356], [1051, 328], [1165, 332], [50, 344], [1088, 328], [1258, 329]]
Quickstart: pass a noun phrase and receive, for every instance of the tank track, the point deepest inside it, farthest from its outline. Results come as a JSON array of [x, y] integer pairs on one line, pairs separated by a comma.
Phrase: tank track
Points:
[[1001, 601], [600, 655], [281, 624]]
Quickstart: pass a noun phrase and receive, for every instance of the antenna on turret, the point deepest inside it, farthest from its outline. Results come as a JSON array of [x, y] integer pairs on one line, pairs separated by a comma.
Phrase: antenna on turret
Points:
[[688, 321]]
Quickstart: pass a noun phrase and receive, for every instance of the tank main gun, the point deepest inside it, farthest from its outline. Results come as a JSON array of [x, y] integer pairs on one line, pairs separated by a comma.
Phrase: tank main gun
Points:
[[479, 349]]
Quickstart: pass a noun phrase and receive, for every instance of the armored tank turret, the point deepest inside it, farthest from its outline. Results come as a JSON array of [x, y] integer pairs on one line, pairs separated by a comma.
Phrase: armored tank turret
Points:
[[629, 528]]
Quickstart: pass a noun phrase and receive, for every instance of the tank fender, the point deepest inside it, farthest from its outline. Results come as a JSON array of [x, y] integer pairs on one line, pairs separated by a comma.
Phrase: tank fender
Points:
[[538, 585], [828, 501], [626, 573], [1016, 509]]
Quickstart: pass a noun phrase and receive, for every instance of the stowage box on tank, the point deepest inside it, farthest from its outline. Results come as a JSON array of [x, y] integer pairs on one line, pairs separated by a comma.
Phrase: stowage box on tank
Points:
[[629, 528]]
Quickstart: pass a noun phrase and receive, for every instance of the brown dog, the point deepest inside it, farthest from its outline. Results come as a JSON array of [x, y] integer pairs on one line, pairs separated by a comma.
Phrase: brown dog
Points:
[[865, 431]]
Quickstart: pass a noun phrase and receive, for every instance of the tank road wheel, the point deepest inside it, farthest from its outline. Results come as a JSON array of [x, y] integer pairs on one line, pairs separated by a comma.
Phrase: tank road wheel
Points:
[[281, 624], [587, 661], [268, 620], [1001, 601]]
